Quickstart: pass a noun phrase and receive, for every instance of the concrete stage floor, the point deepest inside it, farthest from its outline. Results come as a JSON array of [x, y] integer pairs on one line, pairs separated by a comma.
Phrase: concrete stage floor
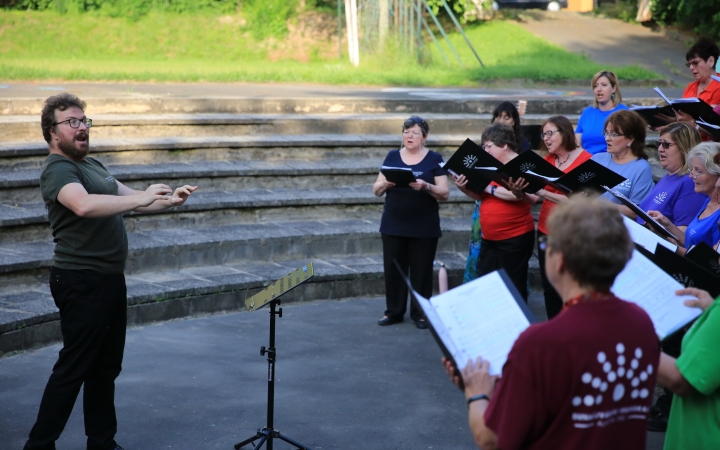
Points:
[[342, 383]]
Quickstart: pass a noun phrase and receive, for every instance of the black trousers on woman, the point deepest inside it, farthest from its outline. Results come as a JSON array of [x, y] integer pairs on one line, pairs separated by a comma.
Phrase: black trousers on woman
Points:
[[512, 254], [93, 318], [415, 255], [553, 302]]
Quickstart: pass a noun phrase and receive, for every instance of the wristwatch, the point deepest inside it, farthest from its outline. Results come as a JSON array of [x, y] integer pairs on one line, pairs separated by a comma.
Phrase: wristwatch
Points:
[[428, 187]]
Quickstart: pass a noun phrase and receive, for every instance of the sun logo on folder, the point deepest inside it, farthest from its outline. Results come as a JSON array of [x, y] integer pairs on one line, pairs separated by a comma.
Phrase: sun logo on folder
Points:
[[614, 378], [524, 167], [684, 280], [469, 161], [585, 177]]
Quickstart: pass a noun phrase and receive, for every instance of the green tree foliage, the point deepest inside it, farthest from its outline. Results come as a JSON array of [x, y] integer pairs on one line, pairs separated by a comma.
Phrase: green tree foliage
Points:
[[123, 8], [703, 16], [268, 17]]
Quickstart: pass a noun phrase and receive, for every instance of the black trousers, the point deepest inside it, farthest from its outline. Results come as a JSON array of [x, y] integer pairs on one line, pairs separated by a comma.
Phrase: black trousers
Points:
[[553, 302], [512, 254], [415, 255], [93, 319]]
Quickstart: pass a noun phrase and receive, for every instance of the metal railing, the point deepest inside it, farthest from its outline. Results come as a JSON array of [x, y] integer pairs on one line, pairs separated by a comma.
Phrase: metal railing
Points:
[[371, 22]]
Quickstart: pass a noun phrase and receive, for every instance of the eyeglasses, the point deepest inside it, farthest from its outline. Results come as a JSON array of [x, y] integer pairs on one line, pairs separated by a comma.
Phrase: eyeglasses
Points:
[[487, 146], [548, 134], [696, 173], [665, 144], [75, 123], [694, 63], [411, 133], [611, 135]]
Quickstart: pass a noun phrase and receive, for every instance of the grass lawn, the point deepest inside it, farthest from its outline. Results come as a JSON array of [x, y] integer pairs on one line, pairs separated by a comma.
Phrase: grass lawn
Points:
[[171, 47]]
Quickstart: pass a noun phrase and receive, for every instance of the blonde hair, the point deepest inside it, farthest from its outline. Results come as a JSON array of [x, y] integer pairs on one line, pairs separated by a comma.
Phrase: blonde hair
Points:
[[685, 137], [613, 79]]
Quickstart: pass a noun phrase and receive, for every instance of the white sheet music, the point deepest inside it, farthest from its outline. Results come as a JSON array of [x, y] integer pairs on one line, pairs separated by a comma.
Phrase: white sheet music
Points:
[[480, 318], [700, 121], [648, 286], [657, 89], [646, 238], [542, 176]]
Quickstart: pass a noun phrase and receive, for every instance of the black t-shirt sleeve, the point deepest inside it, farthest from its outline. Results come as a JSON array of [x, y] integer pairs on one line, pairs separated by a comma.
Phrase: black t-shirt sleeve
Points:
[[56, 176]]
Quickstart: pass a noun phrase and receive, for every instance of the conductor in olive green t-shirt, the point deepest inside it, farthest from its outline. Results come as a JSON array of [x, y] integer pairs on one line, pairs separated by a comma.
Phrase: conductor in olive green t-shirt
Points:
[[85, 204]]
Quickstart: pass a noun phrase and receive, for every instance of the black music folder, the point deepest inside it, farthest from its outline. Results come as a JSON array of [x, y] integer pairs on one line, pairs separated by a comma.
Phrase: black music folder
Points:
[[534, 169], [481, 318], [704, 255], [589, 175], [650, 113], [712, 130], [470, 160], [401, 176], [695, 107], [654, 224], [686, 272]]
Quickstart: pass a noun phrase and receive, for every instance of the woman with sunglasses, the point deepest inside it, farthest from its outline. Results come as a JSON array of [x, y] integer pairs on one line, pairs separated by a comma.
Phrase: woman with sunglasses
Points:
[[674, 195], [589, 130], [507, 227], [625, 139], [705, 173], [410, 224]]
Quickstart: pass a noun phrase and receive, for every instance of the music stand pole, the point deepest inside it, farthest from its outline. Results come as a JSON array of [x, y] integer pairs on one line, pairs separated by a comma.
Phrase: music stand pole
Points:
[[271, 296]]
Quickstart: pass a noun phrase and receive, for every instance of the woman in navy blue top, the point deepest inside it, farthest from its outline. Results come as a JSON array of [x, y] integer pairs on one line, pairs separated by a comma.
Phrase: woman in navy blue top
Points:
[[410, 224]]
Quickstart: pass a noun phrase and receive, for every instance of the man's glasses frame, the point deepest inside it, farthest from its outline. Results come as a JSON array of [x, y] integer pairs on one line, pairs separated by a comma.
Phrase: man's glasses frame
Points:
[[75, 123]]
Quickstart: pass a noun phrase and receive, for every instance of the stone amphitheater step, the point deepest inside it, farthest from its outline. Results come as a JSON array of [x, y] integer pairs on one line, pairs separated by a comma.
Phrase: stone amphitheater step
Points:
[[304, 105], [284, 182], [28, 316], [27, 127], [21, 222]]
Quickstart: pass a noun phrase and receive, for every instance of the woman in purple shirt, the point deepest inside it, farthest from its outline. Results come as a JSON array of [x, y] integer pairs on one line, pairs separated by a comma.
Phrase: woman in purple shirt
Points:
[[674, 195], [705, 172]]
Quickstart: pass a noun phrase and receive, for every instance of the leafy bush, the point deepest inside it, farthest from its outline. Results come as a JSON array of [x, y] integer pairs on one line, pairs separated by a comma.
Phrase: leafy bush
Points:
[[119, 8], [268, 17], [703, 16]]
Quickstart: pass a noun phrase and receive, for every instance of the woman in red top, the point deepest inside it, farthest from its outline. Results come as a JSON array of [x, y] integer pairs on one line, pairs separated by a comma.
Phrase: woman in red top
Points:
[[702, 62], [507, 227], [559, 140]]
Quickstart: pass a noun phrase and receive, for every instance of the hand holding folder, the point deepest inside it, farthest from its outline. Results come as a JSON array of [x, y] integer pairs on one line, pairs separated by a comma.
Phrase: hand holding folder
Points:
[[480, 169]]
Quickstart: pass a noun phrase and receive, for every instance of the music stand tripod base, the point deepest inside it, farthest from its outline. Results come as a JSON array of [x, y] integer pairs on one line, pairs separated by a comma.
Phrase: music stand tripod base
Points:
[[271, 295]]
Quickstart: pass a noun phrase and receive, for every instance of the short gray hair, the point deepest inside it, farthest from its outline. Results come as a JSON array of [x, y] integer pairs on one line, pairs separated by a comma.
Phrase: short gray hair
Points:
[[705, 152]]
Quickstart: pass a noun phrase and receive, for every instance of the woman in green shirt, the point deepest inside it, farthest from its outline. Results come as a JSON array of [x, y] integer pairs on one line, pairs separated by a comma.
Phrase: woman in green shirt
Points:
[[695, 379]]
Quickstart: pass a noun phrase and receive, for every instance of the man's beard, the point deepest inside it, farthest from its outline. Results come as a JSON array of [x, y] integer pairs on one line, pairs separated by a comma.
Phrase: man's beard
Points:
[[70, 149]]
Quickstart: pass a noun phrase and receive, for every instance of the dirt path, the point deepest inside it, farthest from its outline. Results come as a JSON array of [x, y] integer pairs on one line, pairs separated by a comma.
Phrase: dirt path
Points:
[[611, 41]]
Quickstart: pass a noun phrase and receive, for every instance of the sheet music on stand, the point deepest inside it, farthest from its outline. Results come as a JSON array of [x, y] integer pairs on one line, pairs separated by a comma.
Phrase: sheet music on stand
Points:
[[648, 286], [480, 318]]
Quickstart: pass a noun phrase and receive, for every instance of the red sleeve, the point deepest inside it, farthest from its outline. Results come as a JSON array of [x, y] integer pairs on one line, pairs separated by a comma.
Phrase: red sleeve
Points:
[[690, 90], [714, 98], [514, 412]]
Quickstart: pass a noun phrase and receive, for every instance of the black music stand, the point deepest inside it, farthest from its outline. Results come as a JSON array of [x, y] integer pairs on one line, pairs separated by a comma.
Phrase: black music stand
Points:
[[271, 295]]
